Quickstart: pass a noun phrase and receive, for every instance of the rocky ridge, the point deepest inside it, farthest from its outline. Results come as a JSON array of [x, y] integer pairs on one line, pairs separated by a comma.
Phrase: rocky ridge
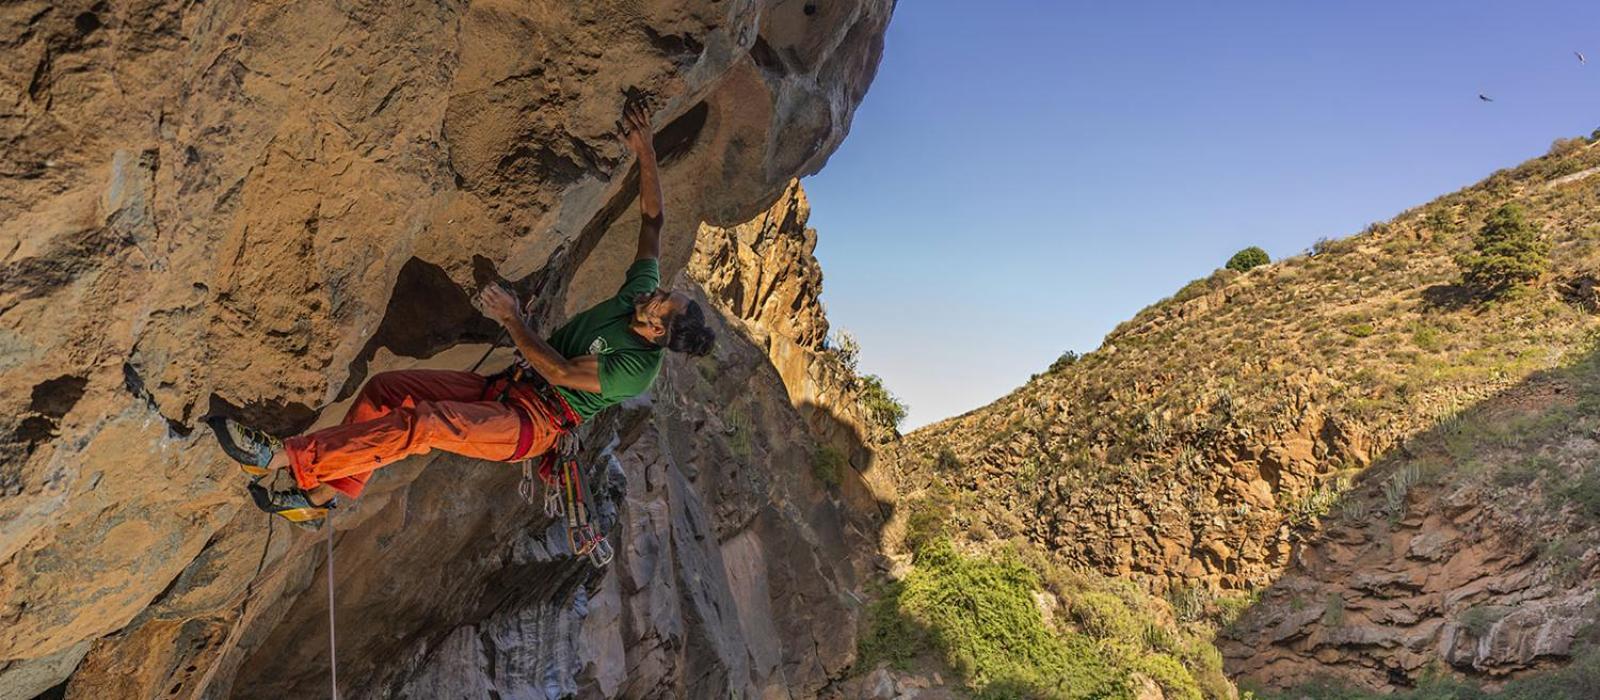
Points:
[[1201, 449]]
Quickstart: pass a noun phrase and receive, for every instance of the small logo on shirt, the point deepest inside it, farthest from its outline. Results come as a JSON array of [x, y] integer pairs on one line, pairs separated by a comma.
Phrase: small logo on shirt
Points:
[[599, 347]]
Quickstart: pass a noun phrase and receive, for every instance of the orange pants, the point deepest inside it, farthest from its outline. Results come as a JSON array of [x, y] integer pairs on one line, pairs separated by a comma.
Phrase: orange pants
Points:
[[410, 412]]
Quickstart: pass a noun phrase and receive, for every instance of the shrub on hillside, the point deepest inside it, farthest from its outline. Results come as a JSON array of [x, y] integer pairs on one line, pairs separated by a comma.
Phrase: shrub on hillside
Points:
[[1248, 258], [1480, 619], [844, 348], [1561, 147], [827, 464], [1103, 615], [1441, 220], [1507, 254], [1332, 246], [1584, 493], [927, 521], [1067, 359], [1206, 285], [885, 410], [979, 614]]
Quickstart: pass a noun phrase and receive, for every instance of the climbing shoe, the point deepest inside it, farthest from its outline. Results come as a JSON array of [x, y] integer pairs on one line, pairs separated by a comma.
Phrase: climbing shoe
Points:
[[290, 504], [251, 448]]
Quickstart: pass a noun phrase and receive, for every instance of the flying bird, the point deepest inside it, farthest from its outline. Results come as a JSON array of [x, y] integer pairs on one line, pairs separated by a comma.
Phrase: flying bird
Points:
[[1581, 59], [1485, 98]]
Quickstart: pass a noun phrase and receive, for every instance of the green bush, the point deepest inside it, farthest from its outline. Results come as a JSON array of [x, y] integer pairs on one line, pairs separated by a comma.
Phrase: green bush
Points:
[[1507, 254], [1360, 330], [1585, 494], [1479, 619], [1565, 147], [1441, 220], [1426, 337], [828, 464], [1176, 682], [1521, 472], [928, 522], [1067, 359], [891, 636], [979, 614], [885, 410], [947, 462], [1332, 246], [1248, 258], [1189, 603], [1230, 607], [1104, 616], [1205, 285]]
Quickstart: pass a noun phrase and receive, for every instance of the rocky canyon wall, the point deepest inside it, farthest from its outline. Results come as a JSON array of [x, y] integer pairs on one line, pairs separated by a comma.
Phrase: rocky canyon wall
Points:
[[250, 207]]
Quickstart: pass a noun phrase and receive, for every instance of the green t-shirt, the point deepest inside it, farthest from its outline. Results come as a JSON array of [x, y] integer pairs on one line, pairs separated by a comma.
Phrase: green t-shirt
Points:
[[628, 364]]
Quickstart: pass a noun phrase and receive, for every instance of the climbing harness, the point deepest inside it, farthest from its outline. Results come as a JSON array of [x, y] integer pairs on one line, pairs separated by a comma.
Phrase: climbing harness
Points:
[[566, 496]]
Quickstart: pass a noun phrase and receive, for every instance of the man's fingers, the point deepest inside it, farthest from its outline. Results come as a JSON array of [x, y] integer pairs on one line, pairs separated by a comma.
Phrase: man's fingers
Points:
[[634, 115], [495, 295]]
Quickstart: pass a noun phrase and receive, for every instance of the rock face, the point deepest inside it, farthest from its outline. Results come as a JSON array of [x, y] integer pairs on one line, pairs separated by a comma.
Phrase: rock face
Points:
[[1491, 578], [250, 207], [763, 272]]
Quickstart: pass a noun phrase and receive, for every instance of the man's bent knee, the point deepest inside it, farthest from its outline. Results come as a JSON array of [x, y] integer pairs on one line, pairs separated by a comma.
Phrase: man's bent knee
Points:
[[380, 385]]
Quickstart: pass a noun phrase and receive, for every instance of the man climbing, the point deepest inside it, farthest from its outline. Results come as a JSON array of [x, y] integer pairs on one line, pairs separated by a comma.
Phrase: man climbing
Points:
[[601, 357]]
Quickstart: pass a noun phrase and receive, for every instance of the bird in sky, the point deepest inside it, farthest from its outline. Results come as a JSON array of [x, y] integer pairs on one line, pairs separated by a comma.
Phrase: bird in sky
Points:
[[1485, 98], [1581, 59]]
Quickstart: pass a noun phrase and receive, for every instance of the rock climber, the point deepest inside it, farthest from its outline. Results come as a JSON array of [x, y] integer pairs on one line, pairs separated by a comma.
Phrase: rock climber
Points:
[[601, 357]]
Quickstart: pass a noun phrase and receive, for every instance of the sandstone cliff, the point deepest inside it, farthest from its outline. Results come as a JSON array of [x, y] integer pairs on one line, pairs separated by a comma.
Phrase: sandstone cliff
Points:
[[1390, 479], [763, 272], [250, 207]]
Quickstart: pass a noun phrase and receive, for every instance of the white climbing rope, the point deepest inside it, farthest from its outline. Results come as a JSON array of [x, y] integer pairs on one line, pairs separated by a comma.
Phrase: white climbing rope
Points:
[[333, 649]]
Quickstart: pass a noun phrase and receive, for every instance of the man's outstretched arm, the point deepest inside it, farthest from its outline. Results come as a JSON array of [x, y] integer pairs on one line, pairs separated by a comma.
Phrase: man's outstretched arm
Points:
[[580, 373], [636, 130]]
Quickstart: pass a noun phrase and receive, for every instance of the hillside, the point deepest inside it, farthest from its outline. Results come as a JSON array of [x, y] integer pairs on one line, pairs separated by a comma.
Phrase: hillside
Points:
[[1343, 449]]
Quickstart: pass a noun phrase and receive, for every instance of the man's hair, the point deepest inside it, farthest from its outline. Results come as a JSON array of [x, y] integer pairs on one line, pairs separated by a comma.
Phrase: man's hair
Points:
[[689, 332]]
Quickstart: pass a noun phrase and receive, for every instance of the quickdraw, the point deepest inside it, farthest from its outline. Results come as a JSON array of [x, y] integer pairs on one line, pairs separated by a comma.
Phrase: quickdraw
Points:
[[566, 497]]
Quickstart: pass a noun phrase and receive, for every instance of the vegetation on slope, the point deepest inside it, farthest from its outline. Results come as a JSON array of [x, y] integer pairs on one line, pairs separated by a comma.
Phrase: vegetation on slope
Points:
[[883, 409], [1248, 258], [983, 615], [1507, 254], [1146, 456], [1380, 333]]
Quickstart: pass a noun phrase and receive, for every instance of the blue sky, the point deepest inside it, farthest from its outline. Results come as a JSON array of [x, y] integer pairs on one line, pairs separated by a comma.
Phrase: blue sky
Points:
[[1025, 175]]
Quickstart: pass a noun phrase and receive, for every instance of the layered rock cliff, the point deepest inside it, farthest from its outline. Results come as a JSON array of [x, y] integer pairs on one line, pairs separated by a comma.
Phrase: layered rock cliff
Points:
[[1388, 477], [249, 208]]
